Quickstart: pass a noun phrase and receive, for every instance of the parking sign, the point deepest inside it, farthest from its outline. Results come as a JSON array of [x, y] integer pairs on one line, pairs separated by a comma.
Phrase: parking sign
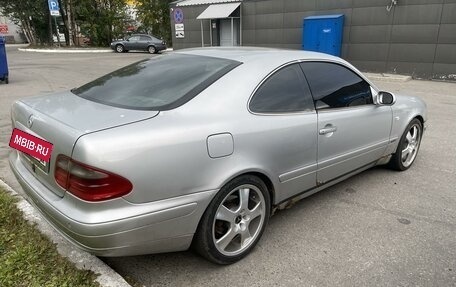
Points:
[[54, 7]]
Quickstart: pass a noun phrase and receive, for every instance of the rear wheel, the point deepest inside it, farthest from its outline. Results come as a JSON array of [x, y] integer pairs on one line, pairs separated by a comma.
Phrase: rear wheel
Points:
[[408, 147], [234, 221], [151, 50], [120, 48]]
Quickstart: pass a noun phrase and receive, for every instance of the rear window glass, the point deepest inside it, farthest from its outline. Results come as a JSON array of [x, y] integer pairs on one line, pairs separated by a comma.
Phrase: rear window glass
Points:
[[160, 83]]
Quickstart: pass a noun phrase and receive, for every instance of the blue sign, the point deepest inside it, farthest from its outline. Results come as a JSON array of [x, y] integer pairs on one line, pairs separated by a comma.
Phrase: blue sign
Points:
[[178, 16], [54, 7]]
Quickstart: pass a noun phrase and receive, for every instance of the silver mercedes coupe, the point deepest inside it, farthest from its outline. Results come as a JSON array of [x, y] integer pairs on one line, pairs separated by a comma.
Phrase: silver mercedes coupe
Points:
[[199, 147]]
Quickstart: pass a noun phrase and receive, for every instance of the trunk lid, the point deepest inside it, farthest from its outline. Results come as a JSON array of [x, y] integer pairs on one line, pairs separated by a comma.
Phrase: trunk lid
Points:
[[61, 119]]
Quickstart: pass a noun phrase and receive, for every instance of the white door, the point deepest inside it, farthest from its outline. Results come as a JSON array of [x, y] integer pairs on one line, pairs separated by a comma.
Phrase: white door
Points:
[[225, 32]]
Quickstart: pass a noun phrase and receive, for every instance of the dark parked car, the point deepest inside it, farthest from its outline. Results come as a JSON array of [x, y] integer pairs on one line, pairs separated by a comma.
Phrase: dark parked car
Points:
[[141, 42]]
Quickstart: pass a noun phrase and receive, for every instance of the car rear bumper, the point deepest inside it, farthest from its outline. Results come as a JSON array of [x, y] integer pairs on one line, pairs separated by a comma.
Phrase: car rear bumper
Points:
[[155, 227], [160, 47]]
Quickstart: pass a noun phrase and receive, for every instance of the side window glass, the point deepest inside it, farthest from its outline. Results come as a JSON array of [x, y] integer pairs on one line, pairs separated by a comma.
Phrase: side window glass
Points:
[[134, 38], [145, 38], [284, 92], [335, 86]]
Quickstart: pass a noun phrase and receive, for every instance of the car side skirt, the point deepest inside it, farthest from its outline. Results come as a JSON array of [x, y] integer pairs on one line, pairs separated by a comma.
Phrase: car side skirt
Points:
[[287, 203]]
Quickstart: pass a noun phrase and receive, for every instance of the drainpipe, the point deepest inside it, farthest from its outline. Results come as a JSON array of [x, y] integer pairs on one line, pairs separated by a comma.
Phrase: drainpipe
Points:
[[202, 34], [232, 32]]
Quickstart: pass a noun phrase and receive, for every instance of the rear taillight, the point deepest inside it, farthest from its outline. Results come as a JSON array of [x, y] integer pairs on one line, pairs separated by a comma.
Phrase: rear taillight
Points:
[[87, 182]]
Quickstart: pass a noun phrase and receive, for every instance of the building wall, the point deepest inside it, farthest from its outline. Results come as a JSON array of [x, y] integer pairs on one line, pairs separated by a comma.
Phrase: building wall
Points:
[[14, 31], [192, 28], [416, 37]]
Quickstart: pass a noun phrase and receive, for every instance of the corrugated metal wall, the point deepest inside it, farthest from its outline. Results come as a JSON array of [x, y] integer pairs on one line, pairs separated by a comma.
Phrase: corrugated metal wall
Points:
[[416, 37]]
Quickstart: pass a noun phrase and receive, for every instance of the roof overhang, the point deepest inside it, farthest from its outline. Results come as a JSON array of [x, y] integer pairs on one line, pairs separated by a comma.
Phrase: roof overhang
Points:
[[201, 2], [218, 11]]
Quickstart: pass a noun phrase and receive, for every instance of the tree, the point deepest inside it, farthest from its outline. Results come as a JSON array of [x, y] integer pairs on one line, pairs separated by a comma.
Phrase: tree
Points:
[[154, 18], [101, 20], [67, 11], [32, 16]]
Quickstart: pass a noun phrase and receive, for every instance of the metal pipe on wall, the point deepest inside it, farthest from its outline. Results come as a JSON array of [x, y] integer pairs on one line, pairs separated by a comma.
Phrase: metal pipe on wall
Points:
[[232, 31], [210, 30], [202, 34], [240, 25]]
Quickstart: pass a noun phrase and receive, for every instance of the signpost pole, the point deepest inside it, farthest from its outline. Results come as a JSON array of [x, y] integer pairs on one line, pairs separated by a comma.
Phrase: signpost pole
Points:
[[54, 10], [57, 31]]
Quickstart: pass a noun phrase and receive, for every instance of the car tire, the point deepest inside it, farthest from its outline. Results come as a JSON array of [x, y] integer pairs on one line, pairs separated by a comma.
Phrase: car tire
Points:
[[151, 50], [408, 146], [120, 48], [234, 221]]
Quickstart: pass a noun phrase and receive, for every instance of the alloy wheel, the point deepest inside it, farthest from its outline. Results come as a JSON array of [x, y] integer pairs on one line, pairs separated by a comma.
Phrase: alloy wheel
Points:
[[239, 220], [411, 145], [119, 48]]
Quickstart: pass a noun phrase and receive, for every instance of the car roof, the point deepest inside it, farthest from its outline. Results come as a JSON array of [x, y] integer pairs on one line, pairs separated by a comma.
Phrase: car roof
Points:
[[142, 35], [268, 59], [253, 54]]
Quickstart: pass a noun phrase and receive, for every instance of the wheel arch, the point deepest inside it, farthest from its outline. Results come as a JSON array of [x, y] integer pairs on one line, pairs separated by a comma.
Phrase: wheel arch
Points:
[[264, 176], [415, 116], [420, 118], [267, 182], [396, 161]]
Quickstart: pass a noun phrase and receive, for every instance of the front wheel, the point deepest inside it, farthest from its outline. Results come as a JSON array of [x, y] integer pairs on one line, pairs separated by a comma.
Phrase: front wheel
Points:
[[234, 221], [408, 147], [120, 49]]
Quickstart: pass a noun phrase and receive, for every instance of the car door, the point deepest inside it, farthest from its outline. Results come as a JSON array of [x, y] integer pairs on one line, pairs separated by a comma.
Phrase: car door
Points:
[[132, 43], [286, 121], [352, 131], [144, 42]]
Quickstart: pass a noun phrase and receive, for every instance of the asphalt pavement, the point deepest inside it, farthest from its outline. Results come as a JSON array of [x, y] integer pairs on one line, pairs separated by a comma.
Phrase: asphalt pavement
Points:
[[379, 228]]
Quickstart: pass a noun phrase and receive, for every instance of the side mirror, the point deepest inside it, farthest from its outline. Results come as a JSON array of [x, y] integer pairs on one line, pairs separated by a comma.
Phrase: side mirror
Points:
[[385, 98]]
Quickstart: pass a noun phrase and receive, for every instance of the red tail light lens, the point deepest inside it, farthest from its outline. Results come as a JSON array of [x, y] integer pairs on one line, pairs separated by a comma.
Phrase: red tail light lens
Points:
[[87, 182]]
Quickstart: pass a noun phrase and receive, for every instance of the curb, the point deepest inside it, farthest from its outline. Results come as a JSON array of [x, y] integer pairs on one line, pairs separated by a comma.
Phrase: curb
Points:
[[388, 77], [106, 276], [74, 50], [82, 50]]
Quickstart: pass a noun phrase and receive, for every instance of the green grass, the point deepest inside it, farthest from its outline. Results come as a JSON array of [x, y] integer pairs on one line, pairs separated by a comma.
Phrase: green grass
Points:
[[28, 258]]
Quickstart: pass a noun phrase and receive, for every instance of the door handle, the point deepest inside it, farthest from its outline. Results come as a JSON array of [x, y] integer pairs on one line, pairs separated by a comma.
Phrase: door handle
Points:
[[327, 130]]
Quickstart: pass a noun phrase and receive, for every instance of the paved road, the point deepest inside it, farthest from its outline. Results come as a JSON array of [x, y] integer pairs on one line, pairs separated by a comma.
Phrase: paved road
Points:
[[379, 228]]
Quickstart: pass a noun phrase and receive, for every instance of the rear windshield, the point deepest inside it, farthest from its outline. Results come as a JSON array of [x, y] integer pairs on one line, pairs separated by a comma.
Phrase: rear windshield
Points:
[[160, 83]]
